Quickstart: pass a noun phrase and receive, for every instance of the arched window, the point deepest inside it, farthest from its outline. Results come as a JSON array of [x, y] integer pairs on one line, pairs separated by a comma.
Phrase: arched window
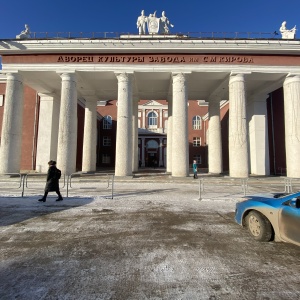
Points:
[[152, 120], [152, 144], [107, 122], [196, 122]]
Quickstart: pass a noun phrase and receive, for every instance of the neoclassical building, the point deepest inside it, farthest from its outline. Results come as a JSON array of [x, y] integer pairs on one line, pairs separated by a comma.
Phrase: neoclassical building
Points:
[[61, 88]]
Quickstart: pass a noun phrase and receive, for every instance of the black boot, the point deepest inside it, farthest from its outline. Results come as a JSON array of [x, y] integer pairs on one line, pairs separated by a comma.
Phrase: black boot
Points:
[[60, 198], [44, 197]]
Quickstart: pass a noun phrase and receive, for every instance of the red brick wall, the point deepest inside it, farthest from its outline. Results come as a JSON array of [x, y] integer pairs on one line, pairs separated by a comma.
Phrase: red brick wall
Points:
[[29, 129]]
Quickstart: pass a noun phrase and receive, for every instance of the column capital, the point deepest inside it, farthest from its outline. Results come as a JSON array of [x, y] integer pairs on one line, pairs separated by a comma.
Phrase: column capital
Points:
[[235, 73], [124, 76], [14, 76], [234, 77], [292, 77], [68, 75], [180, 75], [238, 76]]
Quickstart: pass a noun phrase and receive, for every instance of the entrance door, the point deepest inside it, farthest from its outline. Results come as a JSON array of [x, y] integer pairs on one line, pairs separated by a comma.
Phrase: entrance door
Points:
[[152, 160]]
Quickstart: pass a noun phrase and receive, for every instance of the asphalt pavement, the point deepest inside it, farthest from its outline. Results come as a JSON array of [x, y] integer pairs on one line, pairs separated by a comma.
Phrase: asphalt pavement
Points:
[[148, 237]]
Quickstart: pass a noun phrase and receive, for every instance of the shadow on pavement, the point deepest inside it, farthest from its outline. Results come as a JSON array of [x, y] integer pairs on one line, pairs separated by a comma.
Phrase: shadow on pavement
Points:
[[17, 209]]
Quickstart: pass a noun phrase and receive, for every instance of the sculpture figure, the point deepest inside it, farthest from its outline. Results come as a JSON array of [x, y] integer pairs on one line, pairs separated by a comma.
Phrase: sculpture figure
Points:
[[153, 23], [25, 34], [287, 33], [141, 23], [165, 23]]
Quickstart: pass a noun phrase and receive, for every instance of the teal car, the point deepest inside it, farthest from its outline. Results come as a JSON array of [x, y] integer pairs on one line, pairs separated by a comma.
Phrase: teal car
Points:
[[271, 217]]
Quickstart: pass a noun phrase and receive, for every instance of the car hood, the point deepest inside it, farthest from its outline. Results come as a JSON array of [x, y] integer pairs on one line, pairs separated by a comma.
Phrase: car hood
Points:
[[268, 199]]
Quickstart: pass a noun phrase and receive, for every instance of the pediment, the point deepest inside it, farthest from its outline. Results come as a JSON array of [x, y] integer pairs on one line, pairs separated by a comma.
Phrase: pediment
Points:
[[152, 103]]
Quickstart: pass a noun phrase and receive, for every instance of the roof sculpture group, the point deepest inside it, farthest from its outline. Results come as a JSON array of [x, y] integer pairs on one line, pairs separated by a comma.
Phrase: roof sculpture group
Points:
[[161, 25], [155, 25]]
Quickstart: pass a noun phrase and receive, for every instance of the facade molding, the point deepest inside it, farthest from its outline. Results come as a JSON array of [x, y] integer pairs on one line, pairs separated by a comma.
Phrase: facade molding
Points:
[[31, 46]]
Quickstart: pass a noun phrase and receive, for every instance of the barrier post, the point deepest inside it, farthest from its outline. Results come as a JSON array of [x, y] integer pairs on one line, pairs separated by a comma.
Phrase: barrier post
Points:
[[23, 183], [67, 186], [112, 186], [287, 185]]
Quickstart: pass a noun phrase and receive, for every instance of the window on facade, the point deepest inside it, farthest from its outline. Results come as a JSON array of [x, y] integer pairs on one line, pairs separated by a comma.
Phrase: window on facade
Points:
[[152, 120], [107, 122], [196, 122], [105, 158], [196, 142], [197, 158], [106, 141], [152, 144]]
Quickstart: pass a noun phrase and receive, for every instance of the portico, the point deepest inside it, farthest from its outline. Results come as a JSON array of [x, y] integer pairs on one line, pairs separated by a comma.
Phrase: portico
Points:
[[178, 70]]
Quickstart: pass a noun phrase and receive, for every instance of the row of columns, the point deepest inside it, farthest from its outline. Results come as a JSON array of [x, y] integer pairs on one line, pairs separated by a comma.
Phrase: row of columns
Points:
[[63, 119]]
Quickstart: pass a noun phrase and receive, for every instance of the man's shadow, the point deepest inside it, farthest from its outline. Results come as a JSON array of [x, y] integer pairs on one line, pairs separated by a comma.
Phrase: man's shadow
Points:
[[15, 210]]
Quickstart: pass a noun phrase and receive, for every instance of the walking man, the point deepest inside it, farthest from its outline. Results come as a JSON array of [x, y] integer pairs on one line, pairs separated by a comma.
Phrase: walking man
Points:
[[52, 184]]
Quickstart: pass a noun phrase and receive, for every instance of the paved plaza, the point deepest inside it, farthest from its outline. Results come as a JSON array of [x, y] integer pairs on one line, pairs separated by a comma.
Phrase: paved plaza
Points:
[[154, 239]]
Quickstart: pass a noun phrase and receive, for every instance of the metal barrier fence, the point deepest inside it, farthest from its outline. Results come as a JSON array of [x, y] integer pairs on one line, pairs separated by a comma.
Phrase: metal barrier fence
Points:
[[246, 186], [33, 181], [85, 181], [98, 182], [237, 182], [12, 181]]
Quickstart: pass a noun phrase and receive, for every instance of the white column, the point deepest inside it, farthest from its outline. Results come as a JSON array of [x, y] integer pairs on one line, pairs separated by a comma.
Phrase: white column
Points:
[[67, 135], [124, 126], [291, 88], [214, 138], [143, 118], [180, 163], [169, 136], [90, 135], [48, 131], [11, 136], [161, 125], [258, 135], [135, 160], [238, 147]]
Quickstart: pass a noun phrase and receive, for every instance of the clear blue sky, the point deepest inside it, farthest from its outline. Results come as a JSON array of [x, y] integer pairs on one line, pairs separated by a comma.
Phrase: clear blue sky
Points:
[[120, 16]]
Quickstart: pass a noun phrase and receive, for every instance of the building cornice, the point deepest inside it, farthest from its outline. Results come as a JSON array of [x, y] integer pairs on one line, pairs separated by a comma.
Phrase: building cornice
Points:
[[245, 46]]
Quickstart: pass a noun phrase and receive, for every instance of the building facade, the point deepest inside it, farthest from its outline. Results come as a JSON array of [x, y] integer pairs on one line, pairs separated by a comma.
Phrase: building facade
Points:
[[91, 103]]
